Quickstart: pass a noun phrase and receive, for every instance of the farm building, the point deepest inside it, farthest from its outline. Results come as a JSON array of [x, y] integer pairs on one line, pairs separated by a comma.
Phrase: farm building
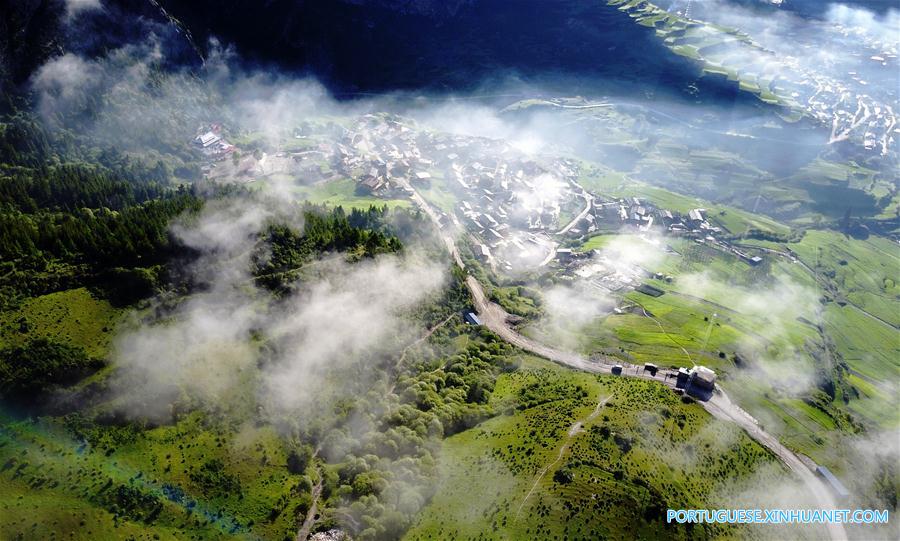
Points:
[[650, 290], [422, 179], [696, 215], [482, 252], [617, 370]]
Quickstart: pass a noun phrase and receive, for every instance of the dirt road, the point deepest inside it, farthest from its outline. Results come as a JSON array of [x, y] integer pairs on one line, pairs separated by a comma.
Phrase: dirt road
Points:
[[573, 431], [408, 348], [719, 405], [306, 528]]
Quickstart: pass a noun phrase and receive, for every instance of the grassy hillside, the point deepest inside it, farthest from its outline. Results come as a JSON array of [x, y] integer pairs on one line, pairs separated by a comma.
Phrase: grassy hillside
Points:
[[74, 316], [176, 482], [577, 456], [863, 272]]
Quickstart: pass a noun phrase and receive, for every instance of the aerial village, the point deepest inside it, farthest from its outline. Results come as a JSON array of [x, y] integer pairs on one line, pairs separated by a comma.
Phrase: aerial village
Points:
[[846, 103], [516, 212], [841, 99], [515, 209]]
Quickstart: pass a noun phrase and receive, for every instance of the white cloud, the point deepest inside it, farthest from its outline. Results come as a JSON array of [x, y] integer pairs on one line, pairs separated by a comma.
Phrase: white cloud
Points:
[[202, 349], [354, 312], [776, 311], [62, 81]]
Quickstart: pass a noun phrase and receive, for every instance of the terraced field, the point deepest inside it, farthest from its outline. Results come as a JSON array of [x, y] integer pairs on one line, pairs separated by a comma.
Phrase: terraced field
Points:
[[712, 45]]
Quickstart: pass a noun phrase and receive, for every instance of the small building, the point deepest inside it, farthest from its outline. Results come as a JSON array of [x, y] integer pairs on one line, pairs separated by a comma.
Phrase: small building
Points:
[[472, 318], [755, 260], [617, 370], [650, 290], [839, 489], [682, 378], [652, 368], [703, 377], [564, 254], [369, 184], [207, 139]]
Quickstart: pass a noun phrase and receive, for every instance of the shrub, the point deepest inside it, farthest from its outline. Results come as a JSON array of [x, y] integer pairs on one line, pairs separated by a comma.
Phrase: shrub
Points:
[[563, 476]]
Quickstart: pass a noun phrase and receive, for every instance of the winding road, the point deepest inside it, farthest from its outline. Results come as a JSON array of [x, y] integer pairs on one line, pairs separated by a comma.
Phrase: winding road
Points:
[[720, 406], [588, 201]]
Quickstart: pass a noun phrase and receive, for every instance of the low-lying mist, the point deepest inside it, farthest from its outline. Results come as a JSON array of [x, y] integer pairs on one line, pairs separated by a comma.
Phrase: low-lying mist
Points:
[[208, 347], [230, 342]]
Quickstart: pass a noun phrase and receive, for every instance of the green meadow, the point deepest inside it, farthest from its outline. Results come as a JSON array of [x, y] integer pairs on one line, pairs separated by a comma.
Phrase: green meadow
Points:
[[73, 316], [196, 479], [865, 272], [342, 192], [527, 473]]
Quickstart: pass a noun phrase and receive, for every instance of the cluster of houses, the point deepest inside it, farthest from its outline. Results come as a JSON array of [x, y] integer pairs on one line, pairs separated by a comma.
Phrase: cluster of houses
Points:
[[380, 153], [512, 205], [845, 103], [644, 216], [851, 112], [509, 204], [515, 208]]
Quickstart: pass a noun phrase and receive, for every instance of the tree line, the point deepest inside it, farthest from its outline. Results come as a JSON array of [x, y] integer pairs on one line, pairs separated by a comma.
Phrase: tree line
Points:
[[66, 220]]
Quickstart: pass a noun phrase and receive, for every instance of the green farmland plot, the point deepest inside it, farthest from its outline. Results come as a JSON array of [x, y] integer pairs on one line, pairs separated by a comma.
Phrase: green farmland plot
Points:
[[866, 272], [343, 192]]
